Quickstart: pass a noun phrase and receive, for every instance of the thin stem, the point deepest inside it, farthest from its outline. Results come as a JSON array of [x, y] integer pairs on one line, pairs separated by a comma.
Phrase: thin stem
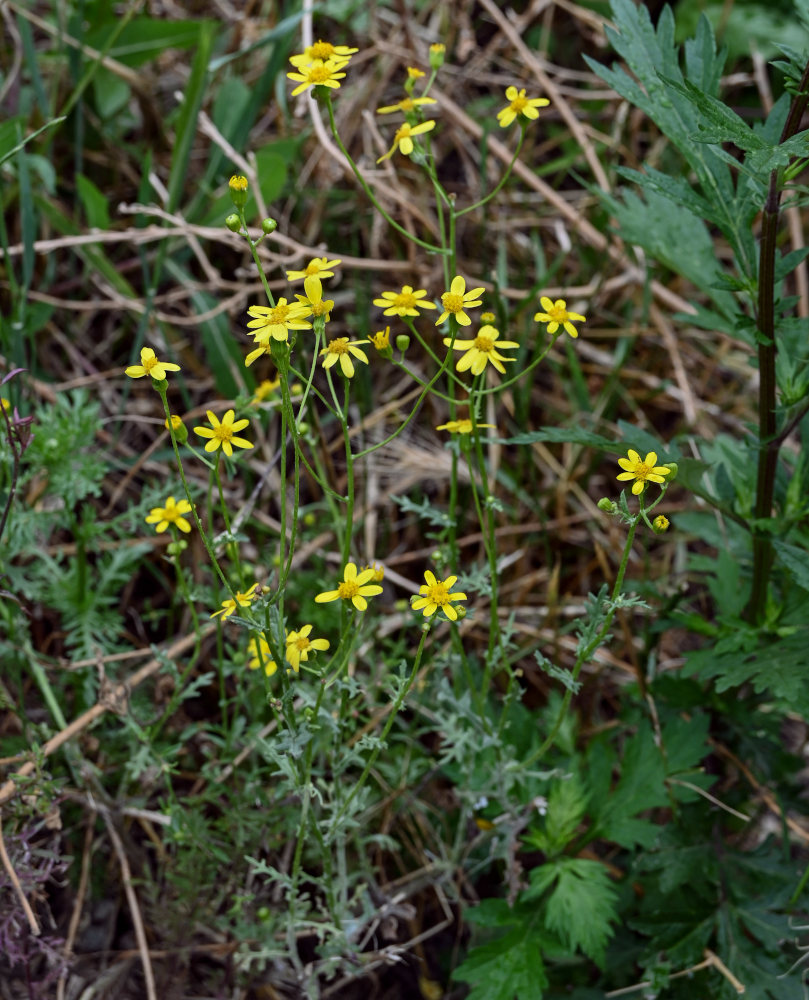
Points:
[[503, 179]]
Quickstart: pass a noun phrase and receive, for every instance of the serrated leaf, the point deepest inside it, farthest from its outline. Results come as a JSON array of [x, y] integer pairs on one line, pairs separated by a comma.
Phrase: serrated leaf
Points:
[[796, 561], [581, 905], [561, 674]]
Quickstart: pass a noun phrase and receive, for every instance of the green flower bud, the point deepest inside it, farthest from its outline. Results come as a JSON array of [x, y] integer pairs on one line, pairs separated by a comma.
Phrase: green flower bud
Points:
[[437, 53], [238, 190], [673, 467], [268, 226], [607, 505], [402, 342], [233, 222]]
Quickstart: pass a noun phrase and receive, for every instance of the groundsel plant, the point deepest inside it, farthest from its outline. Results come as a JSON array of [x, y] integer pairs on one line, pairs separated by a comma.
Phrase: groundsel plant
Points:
[[306, 654]]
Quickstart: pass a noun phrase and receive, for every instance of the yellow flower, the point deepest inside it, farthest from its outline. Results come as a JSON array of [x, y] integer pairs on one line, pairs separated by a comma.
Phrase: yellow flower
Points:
[[642, 471], [260, 654], [520, 105], [556, 315], [150, 365], [436, 594], [178, 427], [264, 389], [318, 73], [172, 513], [341, 350], [313, 301], [437, 51], [323, 51], [460, 426], [242, 600], [661, 524], [404, 303], [378, 571], [276, 321], [355, 587], [381, 339], [404, 138], [482, 350], [238, 183], [223, 435], [413, 73], [406, 104], [299, 645], [318, 267], [457, 299]]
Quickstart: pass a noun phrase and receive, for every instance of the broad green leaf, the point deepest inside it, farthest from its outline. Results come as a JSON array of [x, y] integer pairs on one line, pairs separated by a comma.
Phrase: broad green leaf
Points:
[[111, 93], [94, 202], [563, 435], [189, 112], [145, 38]]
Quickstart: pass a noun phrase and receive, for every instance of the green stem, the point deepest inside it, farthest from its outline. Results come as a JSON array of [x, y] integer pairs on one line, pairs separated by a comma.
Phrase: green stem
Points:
[[503, 179]]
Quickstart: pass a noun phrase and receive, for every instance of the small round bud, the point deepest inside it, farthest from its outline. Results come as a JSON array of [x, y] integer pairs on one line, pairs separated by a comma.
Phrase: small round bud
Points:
[[309, 519], [607, 505], [660, 524], [233, 222], [263, 913], [437, 52], [238, 190], [177, 548], [425, 626], [268, 226], [461, 612], [673, 468], [303, 427], [402, 342]]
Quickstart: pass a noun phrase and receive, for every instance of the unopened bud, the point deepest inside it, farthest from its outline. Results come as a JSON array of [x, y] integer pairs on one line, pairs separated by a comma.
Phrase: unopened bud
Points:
[[238, 190], [437, 52], [233, 222], [660, 524], [607, 505], [672, 467], [402, 342], [179, 428], [268, 226]]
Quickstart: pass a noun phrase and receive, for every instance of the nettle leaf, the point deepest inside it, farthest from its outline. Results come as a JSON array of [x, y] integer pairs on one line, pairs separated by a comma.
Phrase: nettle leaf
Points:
[[581, 904], [510, 967], [567, 801]]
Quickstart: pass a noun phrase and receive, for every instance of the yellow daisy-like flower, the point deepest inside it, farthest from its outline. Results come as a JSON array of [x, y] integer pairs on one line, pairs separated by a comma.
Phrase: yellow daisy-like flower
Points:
[[556, 314], [242, 600], [642, 471], [150, 365], [313, 300], [323, 51], [265, 389], [341, 350], [318, 73], [381, 339], [378, 571], [259, 651], [457, 299], [404, 303], [355, 587], [481, 351], [172, 513], [223, 435], [403, 140], [520, 106], [460, 426], [414, 73], [238, 183], [436, 594], [406, 104], [276, 321], [318, 267], [299, 646]]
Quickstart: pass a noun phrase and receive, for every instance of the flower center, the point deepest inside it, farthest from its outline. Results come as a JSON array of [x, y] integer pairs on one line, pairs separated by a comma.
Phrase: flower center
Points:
[[319, 74], [322, 307], [452, 303], [519, 103], [312, 268], [224, 432], [150, 363], [302, 643], [642, 470], [321, 50], [277, 315], [465, 426], [557, 313], [402, 133], [339, 346], [438, 594], [348, 589], [483, 343], [406, 299]]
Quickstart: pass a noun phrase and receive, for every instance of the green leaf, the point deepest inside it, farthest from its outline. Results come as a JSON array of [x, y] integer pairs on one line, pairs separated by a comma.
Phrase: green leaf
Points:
[[510, 967], [641, 787], [796, 561], [189, 112], [94, 203], [111, 93], [581, 905], [564, 435], [567, 801], [145, 38]]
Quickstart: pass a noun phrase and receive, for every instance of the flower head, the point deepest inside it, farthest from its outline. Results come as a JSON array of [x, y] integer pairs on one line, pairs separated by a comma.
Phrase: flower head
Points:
[[403, 140], [520, 106], [318, 267], [223, 434], [556, 315], [341, 350], [457, 299], [481, 351], [381, 339], [172, 513], [436, 594], [404, 303], [178, 428], [299, 646], [406, 104], [378, 571], [414, 73], [238, 183], [150, 365], [355, 587], [318, 73], [642, 471], [460, 426], [265, 389], [323, 51], [660, 524], [313, 300], [437, 52], [239, 600], [259, 651], [276, 321]]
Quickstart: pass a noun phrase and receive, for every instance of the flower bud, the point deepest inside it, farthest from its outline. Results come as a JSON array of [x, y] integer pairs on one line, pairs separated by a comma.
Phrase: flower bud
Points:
[[672, 467], [607, 505], [437, 52], [268, 226], [177, 548], [309, 519], [179, 428], [238, 190], [660, 524], [402, 342], [233, 222]]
